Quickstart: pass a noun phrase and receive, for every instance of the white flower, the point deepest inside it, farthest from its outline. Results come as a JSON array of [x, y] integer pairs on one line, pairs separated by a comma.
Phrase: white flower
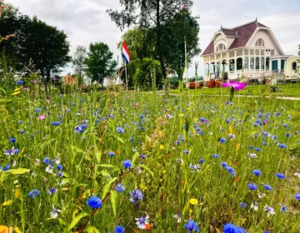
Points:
[[270, 210], [254, 206], [142, 221], [252, 155], [297, 174], [54, 212], [178, 217], [49, 169], [261, 195]]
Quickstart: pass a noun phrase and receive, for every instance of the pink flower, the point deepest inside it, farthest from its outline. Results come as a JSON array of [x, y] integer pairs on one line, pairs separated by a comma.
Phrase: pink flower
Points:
[[48, 99], [41, 117], [34, 82], [136, 104], [25, 88], [235, 85]]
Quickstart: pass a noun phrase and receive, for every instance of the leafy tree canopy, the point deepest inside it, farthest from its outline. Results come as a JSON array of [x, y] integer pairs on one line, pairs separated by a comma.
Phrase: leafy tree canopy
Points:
[[100, 63]]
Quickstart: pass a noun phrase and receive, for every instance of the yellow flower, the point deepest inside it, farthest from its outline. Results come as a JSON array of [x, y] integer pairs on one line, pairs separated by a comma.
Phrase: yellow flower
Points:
[[194, 201], [161, 147], [17, 230], [6, 203], [181, 115], [3, 229], [17, 89], [16, 93]]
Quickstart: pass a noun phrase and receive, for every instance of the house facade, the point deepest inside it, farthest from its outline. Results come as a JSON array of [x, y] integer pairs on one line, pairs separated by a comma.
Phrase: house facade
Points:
[[250, 50]]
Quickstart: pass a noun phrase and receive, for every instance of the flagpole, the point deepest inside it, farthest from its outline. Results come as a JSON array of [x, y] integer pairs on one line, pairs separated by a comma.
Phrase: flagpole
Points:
[[126, 76]]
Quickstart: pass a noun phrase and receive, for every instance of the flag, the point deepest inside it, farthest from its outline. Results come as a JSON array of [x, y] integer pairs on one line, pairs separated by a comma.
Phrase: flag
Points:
[[125, 53]]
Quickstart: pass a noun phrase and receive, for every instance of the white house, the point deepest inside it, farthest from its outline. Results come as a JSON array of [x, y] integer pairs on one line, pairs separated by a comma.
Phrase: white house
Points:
[[250, 50]]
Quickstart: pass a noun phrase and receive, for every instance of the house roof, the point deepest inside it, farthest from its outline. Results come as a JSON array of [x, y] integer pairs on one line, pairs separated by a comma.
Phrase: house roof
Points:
[[241, 33]]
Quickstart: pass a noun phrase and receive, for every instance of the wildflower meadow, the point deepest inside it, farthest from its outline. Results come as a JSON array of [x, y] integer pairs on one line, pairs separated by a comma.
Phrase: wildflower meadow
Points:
[[134, 162]]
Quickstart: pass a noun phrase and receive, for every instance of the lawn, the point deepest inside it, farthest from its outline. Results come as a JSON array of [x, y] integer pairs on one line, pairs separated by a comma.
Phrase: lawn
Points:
[[99, 162], [290, 90]]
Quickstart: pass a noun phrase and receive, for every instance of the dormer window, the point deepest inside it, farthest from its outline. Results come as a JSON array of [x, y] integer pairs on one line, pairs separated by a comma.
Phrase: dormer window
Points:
[[260, 43], [221, 47]]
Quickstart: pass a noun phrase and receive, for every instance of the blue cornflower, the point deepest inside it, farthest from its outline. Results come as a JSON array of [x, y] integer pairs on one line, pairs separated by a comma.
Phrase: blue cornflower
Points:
[[230, 170], [252, 186], [240, 230], [6, 168], [136, 195], [201, 161], [120, 188], [143, 156], [111, 154], [215, 155], [131, 139], [222, 140], [79, 129], [37, 110], [280, 175], [12, 140], [46, 160], [268, 187], [22, 131], [59, 167], [243, 205], [224, 164], [94, 202], [230, 228], [120, 130], [34, 193], [256, 172], [56, 123], [127, 164], [20, 82], [142, 116], [296, 132], [281, 145], [257, 149], [191, 226], [119, 229], [283, 208], [52, 191], [297, 196], [288, 135], [185, 152]]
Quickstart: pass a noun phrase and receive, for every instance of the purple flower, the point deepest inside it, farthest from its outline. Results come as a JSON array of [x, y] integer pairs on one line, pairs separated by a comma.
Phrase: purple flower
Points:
[[297, 196], [235, 85], [252, 186], [136, 195]]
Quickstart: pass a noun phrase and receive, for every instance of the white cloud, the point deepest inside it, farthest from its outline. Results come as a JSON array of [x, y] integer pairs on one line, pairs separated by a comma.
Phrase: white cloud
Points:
[[86, 21]]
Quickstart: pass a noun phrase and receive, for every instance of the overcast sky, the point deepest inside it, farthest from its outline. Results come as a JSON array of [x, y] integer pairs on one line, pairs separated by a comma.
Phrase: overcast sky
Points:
[[86, 21]]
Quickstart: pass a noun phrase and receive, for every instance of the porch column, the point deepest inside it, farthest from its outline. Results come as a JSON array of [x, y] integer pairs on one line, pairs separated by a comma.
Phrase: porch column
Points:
[[279, 65], [249, 62], [235, 68]]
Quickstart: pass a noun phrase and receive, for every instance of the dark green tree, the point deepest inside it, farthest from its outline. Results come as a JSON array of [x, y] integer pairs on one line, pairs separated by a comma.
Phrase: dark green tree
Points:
[[149, 14], [100, 63], [44, 44], [183, 27]]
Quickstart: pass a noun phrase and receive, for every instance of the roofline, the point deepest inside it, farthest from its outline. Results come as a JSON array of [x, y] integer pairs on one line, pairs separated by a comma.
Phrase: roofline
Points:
[[241, 25]]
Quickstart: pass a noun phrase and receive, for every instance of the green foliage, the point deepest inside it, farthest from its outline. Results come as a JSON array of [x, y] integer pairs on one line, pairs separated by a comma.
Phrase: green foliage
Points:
[[100, 63], [152, 15]]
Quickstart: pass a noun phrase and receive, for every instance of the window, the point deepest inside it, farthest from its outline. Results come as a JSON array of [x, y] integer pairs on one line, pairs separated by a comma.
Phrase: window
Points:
[[239, 63], [206, 68], [267, 63], [257, 63], [294, 66], [260, 43], [246, 63], [221, 47], [231, 65], [252, 63], [262, 63]]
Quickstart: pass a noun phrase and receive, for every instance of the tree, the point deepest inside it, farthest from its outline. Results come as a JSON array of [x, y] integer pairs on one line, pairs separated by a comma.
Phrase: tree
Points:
[[141, 44], [100, 63], [78, 62], [44, 44], [78, 59], [149, 14], [183, 27]]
